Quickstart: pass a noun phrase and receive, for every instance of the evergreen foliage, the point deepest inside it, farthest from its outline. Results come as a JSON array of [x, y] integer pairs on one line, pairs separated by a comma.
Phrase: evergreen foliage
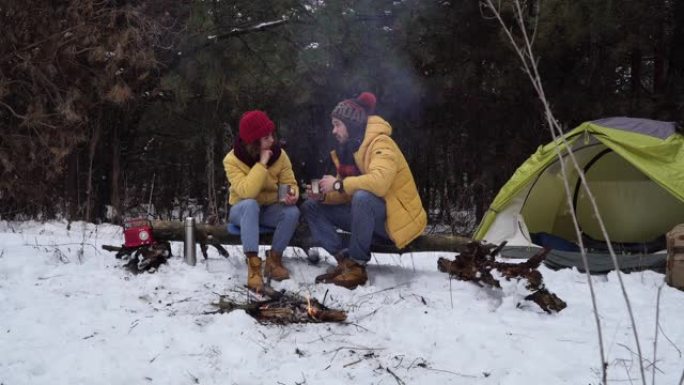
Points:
[[122, 103]]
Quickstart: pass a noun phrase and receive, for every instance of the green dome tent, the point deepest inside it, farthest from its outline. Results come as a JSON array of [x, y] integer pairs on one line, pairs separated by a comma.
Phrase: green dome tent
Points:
[[634, 168]]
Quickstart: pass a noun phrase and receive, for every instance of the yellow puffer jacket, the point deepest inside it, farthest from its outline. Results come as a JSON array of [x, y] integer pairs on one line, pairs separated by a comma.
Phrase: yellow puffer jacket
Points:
[[258, 182], [385, 173]]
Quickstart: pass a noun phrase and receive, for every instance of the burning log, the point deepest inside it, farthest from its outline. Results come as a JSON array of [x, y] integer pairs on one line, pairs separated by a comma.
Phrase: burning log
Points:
[[218, 234], [283, 308], [477, 261]]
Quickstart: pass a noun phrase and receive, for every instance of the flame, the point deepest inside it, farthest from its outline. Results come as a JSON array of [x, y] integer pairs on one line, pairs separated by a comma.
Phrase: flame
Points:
[[310, 310]]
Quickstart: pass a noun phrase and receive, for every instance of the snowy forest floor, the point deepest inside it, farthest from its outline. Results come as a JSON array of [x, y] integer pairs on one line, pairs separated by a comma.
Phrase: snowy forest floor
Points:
[[72, 315]]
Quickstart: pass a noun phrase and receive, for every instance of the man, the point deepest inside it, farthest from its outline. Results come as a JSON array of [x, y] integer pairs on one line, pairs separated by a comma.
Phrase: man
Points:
[[373, 194]]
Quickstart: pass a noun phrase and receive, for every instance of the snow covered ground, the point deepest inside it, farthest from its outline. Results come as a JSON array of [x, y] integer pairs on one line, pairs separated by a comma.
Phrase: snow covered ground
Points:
[[71, 315]]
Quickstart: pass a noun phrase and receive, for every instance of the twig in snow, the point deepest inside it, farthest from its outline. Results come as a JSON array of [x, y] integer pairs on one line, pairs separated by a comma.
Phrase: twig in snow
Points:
[[655, 339], [67, 244], [81, 251], [352, 363], [322, 338], [399, 380], [61, 256], [357, 325], [654, 368], [193, 378], [447, 371], [352, 348], [133, 325], [451, 294], [48, 277], [386, 289], [424, 365], [660, 327], [401, 359], [367, 315], [414, 361], [624, 363], [643, 359], [325, 296]]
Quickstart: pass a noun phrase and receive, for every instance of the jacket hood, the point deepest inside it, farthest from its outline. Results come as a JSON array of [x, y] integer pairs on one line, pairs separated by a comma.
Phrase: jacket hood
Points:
[[376, 126]]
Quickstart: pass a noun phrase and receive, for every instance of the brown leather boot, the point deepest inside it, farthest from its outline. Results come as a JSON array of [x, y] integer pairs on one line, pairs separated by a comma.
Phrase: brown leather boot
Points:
[[273, 268], [255, 281], [332, 272], [352, 275]]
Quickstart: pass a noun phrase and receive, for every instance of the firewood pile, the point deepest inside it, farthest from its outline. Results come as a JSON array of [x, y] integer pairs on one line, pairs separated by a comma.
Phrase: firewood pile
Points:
[[280, 307], [477, 261]]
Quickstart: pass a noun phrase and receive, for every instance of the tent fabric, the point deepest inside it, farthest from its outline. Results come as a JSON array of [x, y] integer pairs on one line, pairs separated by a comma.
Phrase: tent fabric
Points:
[[649, 155], [655, 128], [599, 263]]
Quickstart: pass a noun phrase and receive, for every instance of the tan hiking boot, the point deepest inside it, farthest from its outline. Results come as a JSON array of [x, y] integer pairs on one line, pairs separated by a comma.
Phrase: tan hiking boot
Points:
[[352, 275], [255, 281], [273, 268], [333, 271]]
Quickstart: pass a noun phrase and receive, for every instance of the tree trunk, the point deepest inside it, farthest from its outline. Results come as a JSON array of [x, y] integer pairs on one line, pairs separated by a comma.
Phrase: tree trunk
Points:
[[72, 193], [175, 231], [94, 139], [636, 72], [116, 174], [212, 207], [659, 57]]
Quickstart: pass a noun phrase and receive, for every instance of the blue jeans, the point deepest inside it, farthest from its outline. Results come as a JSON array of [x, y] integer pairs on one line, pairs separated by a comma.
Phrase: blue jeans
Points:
[[365, 218], [249, 215]]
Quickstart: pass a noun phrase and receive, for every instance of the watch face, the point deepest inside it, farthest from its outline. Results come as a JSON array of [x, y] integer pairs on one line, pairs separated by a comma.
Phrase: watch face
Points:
[[336, 185]]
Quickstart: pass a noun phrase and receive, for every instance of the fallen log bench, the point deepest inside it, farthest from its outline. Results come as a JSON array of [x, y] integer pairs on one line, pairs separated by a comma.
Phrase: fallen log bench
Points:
[[216, 235]]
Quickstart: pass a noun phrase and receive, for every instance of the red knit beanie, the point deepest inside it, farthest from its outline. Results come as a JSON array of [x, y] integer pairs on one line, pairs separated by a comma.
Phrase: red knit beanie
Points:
[[354, 112], [254, 125]]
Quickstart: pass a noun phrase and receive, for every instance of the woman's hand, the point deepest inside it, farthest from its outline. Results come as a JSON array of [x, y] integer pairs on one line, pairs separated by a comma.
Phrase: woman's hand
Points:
[[265, 156], [290, 199]]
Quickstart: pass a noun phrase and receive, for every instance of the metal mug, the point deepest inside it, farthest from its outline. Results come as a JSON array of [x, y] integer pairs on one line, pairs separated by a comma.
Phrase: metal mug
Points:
[[283, 191]]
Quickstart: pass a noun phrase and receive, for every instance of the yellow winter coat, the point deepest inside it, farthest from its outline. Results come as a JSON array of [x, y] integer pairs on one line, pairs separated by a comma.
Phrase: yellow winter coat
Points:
[[258, 182], [385, 173]]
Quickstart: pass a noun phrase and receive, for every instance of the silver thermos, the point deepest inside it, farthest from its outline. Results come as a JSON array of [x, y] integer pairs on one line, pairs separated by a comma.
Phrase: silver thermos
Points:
[[189, 241]]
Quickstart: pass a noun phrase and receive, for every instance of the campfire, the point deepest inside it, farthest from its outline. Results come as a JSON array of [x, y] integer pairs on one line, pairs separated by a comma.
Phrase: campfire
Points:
[[282, 307]]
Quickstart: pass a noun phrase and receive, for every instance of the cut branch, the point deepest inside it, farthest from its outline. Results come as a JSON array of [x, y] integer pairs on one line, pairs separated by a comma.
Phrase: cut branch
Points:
[[212, 235], [476, 265]]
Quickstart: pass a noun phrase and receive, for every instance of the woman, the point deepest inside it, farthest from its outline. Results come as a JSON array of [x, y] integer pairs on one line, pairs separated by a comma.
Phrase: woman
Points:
[[255, 167]]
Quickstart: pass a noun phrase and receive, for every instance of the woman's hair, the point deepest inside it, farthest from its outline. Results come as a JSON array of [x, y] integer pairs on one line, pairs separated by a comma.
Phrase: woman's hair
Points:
[[253, 149]]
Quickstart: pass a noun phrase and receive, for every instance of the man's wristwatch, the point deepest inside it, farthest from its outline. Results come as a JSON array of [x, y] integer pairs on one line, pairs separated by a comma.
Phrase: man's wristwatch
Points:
[[338, 186]]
